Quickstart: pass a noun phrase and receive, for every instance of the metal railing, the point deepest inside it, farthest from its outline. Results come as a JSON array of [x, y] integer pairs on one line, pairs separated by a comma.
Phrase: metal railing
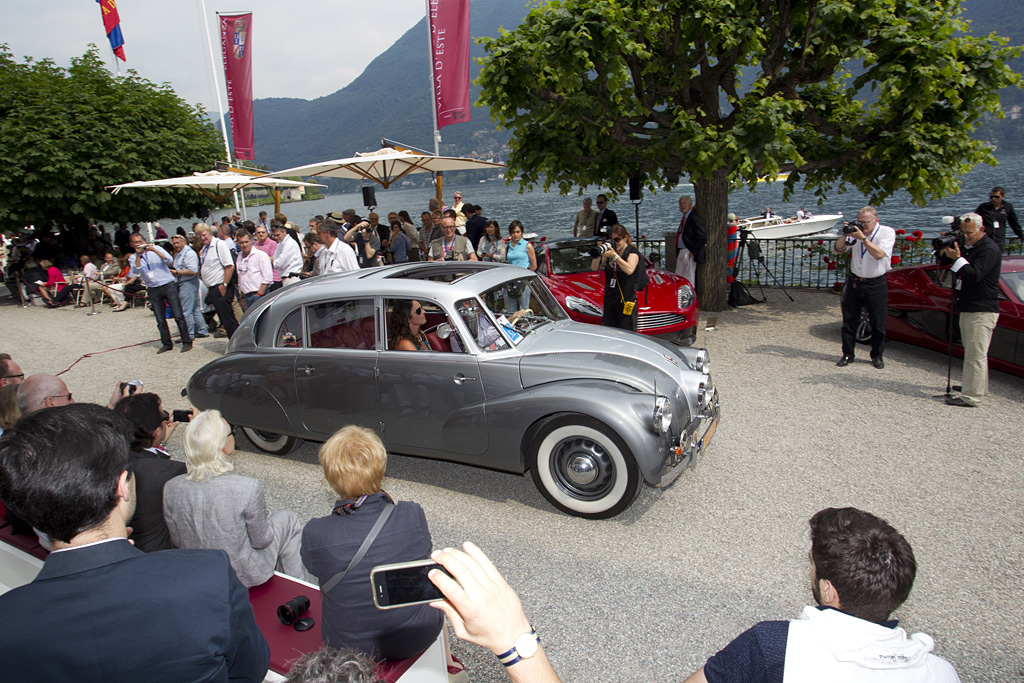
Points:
[[810, 262]]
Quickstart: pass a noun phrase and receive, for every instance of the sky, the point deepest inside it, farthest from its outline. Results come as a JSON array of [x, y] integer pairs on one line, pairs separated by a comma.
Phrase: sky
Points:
[[303, 48]]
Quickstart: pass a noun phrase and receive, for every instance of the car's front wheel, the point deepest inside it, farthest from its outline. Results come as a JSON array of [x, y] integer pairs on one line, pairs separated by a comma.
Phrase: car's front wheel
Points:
[[583, 468], [272, 442]]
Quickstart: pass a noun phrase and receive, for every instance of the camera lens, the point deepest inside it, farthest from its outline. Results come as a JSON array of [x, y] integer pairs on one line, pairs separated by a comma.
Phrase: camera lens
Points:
[[293, 609]]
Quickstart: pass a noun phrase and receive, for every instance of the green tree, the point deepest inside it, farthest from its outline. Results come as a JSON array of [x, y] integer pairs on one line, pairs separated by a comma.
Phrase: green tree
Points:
[[65, 134], [879, 95]]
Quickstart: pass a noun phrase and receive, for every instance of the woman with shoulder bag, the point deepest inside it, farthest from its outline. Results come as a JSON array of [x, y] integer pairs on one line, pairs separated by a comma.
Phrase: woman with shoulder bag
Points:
[[620, 264]]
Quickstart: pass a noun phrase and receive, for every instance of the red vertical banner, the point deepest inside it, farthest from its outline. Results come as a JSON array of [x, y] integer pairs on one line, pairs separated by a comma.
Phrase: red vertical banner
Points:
[[236, 46], [449, 47]]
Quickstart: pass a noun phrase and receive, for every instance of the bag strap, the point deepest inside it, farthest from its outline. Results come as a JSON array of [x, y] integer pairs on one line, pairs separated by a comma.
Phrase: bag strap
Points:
[[367, 542]]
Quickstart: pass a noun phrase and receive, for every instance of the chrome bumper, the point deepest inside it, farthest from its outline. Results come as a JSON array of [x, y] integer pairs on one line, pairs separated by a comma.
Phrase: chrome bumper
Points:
[[692, 442]]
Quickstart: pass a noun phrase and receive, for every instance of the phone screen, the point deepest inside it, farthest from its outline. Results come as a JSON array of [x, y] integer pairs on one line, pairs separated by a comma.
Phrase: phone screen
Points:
[[402, 586]]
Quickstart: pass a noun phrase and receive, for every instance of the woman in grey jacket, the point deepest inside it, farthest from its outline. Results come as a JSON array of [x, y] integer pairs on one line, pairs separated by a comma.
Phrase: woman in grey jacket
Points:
[[211, 507]]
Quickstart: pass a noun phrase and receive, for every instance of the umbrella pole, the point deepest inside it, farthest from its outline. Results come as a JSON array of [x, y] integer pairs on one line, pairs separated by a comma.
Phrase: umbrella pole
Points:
[[277, 200], [439, 186]]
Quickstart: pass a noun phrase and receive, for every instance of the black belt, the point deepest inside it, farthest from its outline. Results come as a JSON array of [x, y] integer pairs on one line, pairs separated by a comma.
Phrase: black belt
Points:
[[865, 279]]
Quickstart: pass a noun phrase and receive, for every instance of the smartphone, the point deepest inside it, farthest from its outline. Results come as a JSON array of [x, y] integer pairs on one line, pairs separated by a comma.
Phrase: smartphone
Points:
[[181, 416], [404, 583]]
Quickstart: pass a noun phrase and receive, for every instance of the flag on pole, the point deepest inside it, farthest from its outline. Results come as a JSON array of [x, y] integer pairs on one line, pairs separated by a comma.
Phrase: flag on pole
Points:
[[449, 43], [236, 46], [112, 25]]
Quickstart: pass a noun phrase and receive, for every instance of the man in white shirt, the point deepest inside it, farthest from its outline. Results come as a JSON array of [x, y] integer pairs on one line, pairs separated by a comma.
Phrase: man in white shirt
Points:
[[343, 256], [255, 272], [215, 270], [871, 251], [287, 257]]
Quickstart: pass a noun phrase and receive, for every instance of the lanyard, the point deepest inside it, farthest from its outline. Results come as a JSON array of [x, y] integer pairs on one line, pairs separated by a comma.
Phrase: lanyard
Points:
[[445, 248], [863, 248]]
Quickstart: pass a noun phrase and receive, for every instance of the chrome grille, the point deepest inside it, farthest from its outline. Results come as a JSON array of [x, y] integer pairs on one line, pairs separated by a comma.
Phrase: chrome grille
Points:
[[648, 321]]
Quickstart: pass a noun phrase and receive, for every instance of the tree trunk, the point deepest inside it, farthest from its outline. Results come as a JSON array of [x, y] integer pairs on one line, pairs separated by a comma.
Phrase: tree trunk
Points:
[[712, 203]]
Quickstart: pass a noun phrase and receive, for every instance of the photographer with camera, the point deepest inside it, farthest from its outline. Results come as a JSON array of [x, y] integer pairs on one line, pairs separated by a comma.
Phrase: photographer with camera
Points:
[[451, 247], [620, 263], [977, 267], [871, 250]]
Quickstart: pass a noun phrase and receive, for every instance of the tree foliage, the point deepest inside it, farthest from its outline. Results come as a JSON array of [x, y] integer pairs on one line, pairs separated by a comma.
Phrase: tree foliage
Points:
[[879, 95], [67, 133]]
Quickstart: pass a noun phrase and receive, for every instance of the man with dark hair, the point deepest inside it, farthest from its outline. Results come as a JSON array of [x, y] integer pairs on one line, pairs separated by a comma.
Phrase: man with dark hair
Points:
[[101, 609], [152, 466], [10, 372], [476, 224], [861, 570], [977, 271], [605, 218], [997, 214]]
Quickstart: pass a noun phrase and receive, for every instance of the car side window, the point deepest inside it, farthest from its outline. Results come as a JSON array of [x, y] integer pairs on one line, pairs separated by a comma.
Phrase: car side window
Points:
[[290, 334], [480, 326], [347, 324]]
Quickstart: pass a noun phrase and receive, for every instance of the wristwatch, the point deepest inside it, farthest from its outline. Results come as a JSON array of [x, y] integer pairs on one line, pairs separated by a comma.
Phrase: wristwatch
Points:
[[526, 646]]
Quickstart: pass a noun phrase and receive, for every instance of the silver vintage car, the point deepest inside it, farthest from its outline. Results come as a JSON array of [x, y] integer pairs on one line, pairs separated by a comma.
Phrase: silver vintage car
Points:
[[509, 382]]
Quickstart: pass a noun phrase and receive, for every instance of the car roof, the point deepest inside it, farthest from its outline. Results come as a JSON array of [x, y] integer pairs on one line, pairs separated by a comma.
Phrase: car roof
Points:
[[1013, 264], [445, 281]]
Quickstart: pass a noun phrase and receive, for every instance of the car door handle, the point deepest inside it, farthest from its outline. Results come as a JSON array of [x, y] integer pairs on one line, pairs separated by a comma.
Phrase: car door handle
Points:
[[307, 369], [460, 378]]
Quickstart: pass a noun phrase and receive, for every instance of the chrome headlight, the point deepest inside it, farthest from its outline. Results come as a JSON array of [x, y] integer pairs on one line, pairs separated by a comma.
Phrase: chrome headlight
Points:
[[662, 414], [582, 306], [684, 296], [702, 362], [705, 392]]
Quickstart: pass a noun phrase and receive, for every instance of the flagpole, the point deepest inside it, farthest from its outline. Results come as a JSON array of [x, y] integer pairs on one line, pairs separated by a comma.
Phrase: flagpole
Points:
[[216, 89], [439, 177]]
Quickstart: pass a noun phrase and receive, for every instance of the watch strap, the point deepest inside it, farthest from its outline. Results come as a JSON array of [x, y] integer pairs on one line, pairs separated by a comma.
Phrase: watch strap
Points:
[[512, 656]]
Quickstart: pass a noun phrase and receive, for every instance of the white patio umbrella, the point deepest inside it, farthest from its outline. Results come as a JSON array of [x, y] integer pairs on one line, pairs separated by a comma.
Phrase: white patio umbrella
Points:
[[387, 165], [215, 184]]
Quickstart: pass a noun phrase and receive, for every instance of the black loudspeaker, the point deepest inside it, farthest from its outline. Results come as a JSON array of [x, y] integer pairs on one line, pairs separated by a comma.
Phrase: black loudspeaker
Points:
[[369, 196], [634, 190]]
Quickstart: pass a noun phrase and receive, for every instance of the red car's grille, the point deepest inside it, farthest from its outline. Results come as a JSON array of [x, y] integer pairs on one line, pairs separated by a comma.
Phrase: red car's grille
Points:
[[651, 321]]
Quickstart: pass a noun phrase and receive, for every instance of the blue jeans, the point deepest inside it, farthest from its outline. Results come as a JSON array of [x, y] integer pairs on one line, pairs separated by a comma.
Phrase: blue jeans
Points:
[[251, 299], [188, 292], [161, 297]]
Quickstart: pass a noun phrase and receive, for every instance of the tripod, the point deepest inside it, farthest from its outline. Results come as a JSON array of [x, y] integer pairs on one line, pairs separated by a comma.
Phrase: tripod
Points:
[[949, 333], [755, 254]]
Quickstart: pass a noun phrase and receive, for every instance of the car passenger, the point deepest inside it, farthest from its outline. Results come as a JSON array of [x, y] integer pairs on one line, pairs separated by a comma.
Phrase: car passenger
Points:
[[354, 462], [405, 327]]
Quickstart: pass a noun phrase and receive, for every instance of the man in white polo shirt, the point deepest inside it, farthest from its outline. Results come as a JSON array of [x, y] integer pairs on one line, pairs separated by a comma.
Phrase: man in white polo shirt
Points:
[[871, 250], [255, 273], [287, 256], [215, 270]]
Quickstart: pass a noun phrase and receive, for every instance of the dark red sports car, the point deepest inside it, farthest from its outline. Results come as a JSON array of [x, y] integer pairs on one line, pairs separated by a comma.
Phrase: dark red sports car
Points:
[[919, 302], [667, 307]]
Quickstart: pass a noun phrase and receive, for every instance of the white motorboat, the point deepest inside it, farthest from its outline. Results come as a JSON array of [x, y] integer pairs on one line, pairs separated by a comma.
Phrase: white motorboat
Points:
[[777, 227]]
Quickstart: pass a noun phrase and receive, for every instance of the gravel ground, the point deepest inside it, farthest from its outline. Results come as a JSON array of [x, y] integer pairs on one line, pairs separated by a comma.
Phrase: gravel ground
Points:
[[651, 594]]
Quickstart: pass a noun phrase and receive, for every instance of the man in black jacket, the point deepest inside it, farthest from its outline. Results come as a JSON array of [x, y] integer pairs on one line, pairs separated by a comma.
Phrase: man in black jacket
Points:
[[977, 284], [996, 214], [605, 219]]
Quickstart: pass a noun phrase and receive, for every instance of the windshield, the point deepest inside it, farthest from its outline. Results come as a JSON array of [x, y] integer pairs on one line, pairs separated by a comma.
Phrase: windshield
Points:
[[522, 304], [1015, 283], [572, 258]]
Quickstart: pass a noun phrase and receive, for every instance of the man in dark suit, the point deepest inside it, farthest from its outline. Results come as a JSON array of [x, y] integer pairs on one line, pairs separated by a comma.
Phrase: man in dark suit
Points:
[[606, 218], [997, 214], [691, 239], [100, 609]]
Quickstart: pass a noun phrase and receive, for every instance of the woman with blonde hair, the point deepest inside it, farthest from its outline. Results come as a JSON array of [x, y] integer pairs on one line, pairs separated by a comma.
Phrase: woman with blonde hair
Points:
[[9, 411], [354, 461], [211, 507]]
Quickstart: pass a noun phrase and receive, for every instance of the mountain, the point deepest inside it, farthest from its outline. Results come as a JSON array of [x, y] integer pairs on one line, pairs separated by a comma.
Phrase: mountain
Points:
[[392, 98]]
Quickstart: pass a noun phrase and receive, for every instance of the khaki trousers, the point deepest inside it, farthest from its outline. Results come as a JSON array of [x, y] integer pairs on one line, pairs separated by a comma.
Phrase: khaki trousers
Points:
[[976, 331]]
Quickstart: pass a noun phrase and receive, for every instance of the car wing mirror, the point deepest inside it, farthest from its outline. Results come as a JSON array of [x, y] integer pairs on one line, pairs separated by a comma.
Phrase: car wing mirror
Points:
[[655, 258], [444, 330]]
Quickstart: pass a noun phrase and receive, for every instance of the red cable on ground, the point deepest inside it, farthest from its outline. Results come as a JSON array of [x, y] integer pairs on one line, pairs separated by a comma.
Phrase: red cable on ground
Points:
[[119, 348]]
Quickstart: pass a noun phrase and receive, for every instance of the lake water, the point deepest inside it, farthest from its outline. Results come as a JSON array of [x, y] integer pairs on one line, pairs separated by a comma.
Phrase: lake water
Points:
[[551, 214]]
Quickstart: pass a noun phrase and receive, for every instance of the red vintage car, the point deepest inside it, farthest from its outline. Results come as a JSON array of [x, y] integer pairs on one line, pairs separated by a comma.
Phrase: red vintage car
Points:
[[667, 307], [919, 303]]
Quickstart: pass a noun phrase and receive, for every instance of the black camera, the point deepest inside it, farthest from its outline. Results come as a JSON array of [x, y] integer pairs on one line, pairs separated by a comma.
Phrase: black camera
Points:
[[852, 226], [449, 257], [598, 249], [948, 239]]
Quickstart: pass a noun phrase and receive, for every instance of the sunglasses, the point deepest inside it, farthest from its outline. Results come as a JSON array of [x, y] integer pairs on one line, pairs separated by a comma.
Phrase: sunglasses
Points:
[[617, 239], [19, 375], [66, 397], [166, 416], [995, 196], [418, 311]]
